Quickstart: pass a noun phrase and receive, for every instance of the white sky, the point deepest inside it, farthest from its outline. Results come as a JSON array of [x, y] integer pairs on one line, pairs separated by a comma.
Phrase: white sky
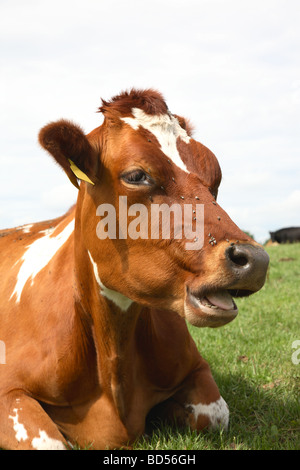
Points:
[[231, 66]]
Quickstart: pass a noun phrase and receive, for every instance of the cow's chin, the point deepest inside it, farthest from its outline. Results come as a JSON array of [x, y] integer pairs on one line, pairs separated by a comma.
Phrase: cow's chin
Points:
[[210, 310]]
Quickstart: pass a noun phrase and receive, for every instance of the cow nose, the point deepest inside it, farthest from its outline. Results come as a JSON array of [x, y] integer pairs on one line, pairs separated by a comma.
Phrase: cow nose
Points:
[[249, 264]]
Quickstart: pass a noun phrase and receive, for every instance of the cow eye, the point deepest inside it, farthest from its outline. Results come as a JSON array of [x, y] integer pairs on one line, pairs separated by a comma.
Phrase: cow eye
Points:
[[136, 177]]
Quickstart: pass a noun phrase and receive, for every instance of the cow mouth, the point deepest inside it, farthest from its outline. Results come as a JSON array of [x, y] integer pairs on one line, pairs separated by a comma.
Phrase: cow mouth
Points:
[[210, 309]]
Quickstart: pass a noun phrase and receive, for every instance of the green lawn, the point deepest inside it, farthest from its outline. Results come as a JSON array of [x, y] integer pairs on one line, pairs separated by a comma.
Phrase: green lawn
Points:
[[251, 360]]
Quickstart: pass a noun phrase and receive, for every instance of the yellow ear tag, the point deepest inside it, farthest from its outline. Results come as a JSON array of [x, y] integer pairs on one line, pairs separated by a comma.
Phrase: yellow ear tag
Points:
[[79, 174]]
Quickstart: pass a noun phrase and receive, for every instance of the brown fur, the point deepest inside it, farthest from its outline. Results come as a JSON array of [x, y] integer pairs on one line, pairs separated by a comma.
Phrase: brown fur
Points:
[[78, 367]]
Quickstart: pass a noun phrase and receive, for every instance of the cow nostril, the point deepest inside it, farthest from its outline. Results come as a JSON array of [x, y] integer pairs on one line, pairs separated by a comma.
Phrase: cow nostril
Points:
[[237, 256], [240, 260], [249, 264]]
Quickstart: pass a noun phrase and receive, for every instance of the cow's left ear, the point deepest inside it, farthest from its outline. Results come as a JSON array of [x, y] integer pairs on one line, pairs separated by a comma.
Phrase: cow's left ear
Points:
[[185, 124], [69, 146]]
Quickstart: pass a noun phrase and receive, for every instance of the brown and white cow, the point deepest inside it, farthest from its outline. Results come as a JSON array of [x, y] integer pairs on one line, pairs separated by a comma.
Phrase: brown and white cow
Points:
[[94, 329]]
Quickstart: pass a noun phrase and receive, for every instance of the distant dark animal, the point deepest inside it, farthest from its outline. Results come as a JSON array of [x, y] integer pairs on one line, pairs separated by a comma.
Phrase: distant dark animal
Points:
[[286, 235]]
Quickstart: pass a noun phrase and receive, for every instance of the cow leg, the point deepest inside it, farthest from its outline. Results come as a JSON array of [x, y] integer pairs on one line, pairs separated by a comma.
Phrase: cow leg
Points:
[[92, 425], [24, 425], [198, 404], [202, 401]]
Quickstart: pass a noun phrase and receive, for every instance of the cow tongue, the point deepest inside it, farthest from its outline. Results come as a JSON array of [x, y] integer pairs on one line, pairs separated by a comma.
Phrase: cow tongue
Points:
[[221, 299]]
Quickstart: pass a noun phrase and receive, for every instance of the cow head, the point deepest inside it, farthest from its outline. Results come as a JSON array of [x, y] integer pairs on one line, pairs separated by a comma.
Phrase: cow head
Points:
[[140, 157]]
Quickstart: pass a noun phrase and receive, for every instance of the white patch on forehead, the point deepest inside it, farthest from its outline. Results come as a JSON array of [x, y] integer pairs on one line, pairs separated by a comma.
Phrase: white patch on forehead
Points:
[[38, 255], [116, 297], [217, 412], [44, 442], [166, 129], [21, 433]]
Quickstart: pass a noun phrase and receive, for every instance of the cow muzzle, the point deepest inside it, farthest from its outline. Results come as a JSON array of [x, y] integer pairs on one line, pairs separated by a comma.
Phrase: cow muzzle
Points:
[[248, 265], [244, 268]]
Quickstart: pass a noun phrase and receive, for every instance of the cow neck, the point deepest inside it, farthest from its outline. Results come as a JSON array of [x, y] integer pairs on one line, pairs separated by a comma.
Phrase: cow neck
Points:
[[113, 332], [114, 336]]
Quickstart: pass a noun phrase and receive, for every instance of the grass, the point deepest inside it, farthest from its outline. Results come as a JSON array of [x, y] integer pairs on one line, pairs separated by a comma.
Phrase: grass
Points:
[[251, 360]]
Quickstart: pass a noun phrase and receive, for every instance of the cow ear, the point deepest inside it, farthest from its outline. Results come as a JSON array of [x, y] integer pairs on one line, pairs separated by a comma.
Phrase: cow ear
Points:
[[206, 166], [69, 146], [185, 124]]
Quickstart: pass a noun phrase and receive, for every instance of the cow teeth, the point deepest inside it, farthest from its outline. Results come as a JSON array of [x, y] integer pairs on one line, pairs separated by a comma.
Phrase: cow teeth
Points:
[[207, 303]]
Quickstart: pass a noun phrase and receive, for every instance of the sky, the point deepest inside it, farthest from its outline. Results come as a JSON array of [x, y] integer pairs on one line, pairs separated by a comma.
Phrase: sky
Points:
[[231, 66]]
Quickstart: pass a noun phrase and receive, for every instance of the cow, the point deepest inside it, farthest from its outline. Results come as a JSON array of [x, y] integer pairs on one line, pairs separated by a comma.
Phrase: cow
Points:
[[286, 235], [95, 328]]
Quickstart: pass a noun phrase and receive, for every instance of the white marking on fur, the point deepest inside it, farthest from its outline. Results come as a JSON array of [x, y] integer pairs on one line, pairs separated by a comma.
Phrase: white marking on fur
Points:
[[119, 299], [166, 129], [48, 231], [21, 433], [44, 442], [217, 412], [38, 255], [26, 228]]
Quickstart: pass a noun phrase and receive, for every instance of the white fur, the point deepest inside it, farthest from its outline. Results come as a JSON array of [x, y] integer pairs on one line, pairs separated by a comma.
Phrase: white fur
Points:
[[217, 412], [38, 255], [26, 228], [44, 442], [21, 433], [119, 299], [166, 129]]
